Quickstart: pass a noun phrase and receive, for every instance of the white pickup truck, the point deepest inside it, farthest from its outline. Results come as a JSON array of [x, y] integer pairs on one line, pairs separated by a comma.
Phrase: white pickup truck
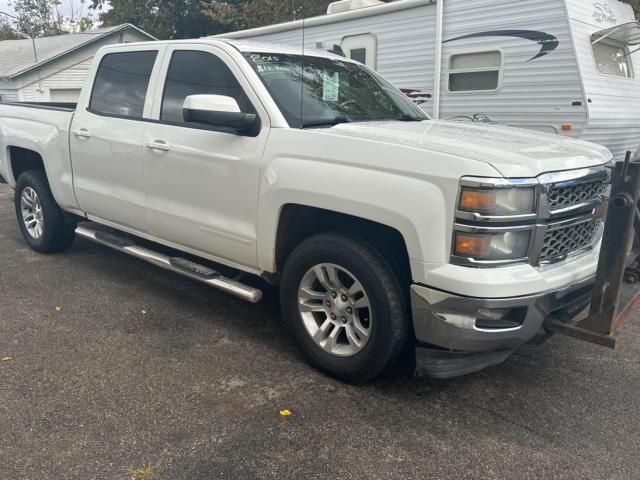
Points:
[[384, 230]]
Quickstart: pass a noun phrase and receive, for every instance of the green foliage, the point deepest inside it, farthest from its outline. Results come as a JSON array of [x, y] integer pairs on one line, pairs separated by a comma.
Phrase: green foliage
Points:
[[38, 18], [174, 19], [241, 14], [6, 30], [165, 19]]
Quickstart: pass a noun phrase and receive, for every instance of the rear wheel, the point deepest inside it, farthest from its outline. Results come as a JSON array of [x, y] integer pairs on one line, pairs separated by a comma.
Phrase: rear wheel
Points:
[[40, 219], [345, 304]]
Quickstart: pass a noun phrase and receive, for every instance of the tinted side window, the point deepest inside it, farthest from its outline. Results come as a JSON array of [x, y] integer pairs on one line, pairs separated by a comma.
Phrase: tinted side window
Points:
[[121, 83], [198, 73]]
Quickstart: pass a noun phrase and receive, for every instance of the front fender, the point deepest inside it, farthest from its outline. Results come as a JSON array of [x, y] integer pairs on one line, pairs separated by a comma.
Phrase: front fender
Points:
[[409, 205], [412, 190]]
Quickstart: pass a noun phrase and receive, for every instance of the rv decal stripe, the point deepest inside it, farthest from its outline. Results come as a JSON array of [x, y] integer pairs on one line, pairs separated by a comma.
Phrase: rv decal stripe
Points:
[[548, 43]]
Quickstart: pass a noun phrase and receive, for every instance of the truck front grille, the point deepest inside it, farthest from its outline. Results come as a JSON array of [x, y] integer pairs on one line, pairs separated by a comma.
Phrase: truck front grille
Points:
[[562, 241], [566, 196]]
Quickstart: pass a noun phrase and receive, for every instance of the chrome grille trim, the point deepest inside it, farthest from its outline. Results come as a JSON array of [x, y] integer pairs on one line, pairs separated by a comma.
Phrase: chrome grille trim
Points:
[[563, 197], [563, 193], [565, 200], [559, 242]]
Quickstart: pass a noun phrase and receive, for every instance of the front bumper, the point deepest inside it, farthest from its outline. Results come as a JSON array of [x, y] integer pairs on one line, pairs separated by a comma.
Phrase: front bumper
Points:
[[450, 341]]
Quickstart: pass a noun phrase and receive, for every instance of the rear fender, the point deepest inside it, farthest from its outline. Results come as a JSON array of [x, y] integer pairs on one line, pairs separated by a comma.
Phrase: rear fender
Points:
[[48, 141]]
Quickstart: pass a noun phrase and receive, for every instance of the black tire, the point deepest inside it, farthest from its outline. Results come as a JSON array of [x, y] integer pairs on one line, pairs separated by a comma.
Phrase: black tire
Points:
[[390, 327], [57, 235]]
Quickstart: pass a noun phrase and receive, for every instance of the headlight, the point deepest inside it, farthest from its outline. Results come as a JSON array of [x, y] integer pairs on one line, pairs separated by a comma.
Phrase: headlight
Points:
[[498, 202], [490, 246]]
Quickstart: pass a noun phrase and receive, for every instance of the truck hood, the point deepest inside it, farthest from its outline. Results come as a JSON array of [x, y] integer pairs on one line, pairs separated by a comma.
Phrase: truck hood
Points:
[[512, 151]]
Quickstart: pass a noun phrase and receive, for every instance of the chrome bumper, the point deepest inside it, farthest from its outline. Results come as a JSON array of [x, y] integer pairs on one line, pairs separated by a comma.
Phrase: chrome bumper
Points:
[[446, 326]]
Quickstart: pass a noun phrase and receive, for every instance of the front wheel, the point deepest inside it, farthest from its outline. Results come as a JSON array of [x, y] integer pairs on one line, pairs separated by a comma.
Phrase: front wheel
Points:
[[40, 219], [345, 305]]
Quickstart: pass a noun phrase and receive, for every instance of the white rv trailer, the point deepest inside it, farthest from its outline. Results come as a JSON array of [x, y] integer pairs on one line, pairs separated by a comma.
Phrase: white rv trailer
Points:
[[562, 66]]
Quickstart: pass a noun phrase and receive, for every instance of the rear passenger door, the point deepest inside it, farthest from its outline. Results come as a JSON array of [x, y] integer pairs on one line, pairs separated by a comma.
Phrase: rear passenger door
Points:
[[106, 137], [202, 185]]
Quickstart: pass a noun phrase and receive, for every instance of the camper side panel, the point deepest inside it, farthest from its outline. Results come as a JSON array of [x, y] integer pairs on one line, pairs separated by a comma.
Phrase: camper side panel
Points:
[[614, 106], [404, 40], [538, 85]]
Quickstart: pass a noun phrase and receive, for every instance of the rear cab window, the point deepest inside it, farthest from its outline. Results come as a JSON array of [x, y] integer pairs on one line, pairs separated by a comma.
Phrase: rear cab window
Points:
[[121, 83]]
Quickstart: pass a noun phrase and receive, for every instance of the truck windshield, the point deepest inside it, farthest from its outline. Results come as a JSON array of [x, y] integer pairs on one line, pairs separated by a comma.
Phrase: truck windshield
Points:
[[316, 91]]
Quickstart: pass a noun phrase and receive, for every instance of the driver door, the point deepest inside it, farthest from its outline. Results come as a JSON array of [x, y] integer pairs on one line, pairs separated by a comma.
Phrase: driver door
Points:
[[202, 185]]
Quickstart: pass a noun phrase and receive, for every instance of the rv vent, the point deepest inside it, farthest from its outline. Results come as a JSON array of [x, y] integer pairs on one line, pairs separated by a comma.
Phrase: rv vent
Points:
[[349, 5]]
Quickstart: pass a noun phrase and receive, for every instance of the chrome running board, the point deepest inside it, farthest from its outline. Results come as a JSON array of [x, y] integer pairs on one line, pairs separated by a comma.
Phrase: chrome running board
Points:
[[182, 266]]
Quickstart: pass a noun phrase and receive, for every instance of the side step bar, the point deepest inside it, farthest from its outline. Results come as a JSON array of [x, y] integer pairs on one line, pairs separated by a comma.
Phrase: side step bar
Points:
[[182, 266]]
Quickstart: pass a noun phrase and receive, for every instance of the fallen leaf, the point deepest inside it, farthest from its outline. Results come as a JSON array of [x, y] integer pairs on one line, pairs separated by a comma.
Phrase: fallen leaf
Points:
[[7, 359], [286, 413], [144, 473]]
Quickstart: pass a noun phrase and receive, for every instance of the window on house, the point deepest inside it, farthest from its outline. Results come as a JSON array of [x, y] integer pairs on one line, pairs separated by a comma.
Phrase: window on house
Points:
[[475, 71], [198, 73], [612, 58], [122, 82], [361, 48]]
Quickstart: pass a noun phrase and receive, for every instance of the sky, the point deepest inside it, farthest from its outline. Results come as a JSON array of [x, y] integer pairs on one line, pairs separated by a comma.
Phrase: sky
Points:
[[66, 6]]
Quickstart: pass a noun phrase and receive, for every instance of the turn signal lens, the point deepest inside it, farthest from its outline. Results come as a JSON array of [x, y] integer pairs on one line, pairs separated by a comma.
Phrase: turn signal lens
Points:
[[476, 200], [474, 246]]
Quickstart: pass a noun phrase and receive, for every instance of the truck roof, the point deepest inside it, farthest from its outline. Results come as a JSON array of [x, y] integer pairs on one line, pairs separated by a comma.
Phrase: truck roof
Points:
[[240, 45]]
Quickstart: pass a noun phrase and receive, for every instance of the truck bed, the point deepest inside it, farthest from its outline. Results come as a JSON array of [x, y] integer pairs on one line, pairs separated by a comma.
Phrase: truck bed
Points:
[[66, 107]]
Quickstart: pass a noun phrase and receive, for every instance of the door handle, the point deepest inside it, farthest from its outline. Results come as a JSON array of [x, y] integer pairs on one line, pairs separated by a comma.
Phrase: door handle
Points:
[[158, 145], [82, 133]]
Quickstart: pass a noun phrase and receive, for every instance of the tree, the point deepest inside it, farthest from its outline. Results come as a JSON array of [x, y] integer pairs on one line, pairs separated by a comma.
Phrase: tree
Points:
[[38, 18], [78, 20], [241, 14], [7, 32], [165, 19]]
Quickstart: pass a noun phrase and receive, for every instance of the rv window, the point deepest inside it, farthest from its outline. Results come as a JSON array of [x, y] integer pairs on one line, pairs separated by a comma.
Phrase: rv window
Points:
[[361, 48], [612, 59], [359, 55], [475, 71]]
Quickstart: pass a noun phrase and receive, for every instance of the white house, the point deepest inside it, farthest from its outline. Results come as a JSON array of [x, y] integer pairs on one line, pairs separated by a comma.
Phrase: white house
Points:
[[57, 69]]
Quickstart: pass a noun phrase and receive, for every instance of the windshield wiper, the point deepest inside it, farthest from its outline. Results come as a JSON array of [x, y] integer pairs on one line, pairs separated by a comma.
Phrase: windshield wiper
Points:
[[326, 123], [410, 118]]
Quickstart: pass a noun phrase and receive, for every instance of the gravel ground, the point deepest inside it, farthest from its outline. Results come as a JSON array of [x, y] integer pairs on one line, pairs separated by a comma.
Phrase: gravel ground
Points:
[[120, 370]]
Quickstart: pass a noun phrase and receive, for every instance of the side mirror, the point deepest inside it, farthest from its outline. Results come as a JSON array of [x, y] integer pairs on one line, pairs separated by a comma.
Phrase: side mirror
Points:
[[221, 113]]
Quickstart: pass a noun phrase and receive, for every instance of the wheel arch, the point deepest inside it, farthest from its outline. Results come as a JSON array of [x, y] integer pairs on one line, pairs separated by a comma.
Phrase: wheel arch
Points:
[[21, 159], [297, 222]]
